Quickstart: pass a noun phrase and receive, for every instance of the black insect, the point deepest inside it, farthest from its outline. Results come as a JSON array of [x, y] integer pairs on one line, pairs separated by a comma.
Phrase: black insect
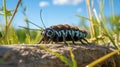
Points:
[[63, 33]]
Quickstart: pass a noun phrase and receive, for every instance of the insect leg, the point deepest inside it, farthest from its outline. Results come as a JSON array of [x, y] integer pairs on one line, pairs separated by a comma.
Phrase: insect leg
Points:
[[72, 39], [64, 39], [86, 41], [81, 41], [48, 41]]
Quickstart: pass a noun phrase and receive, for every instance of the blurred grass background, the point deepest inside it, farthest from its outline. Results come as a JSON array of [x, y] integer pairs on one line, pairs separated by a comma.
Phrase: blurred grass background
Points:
[[103, 30], [10, 35]]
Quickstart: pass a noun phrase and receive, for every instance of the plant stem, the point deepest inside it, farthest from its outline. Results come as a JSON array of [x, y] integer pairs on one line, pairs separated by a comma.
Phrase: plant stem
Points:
[[103, 58], [14, 13], [112, 9], [90, 17], [5, 12], [5, 19]]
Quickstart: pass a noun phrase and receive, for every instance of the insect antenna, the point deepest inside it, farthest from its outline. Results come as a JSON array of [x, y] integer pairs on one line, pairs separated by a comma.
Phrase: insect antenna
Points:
[[42, 19], [29, 28], [35, 24]]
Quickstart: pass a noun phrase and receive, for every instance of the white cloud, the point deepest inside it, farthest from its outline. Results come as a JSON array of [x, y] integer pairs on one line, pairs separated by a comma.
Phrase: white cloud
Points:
[[67, 2], [79, 10], [43, 3]]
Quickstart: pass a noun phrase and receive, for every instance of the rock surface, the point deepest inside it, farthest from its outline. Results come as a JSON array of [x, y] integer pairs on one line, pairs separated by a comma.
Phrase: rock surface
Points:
[[35, 56]]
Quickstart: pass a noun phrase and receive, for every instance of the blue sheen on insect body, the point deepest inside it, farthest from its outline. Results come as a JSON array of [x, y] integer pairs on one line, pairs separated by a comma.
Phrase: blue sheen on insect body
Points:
[[59, 33]]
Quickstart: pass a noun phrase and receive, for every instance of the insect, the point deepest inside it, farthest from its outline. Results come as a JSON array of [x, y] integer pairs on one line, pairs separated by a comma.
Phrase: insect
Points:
[[63, 33]]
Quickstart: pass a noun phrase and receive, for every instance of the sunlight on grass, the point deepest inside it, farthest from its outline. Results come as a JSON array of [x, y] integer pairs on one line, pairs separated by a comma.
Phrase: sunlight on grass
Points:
[[103, 30], [103, 59], [63, 58]]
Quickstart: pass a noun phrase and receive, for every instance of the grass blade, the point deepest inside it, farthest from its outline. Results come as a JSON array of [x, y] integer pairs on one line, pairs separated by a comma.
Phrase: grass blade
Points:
[[73, 59], [60, 56], [82, 17], [103, 58], [14, 13]]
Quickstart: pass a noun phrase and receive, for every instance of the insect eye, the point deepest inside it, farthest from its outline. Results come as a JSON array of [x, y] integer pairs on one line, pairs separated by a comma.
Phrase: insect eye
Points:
[[50, 32]]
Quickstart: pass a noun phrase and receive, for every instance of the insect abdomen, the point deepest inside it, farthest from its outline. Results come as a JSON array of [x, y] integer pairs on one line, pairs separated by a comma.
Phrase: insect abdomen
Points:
[[67, 33]]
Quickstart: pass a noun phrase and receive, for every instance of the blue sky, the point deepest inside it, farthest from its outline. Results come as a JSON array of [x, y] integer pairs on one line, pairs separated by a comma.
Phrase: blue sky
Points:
[[56, 11]]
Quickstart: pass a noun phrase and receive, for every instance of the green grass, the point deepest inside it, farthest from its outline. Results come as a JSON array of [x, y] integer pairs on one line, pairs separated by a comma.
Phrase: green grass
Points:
[[67, 61], [104, 58], [102, 30]]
